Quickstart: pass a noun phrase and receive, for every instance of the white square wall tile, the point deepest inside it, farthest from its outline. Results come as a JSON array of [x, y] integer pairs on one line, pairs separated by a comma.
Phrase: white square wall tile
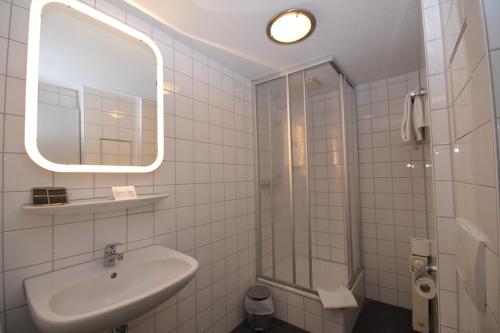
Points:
[[27, 247], [388, 296], [437, 91], [442, 162], [111, 9], [74, 180], [448, 308], [14, 97], [378, 94], [109, 230], [19, 24], [17, 60], [165, 221], [14, 293], [184, 48], [183, 63], [73, 238], [447, 272], [432, 23], [139, 226], [363, 86], [296, 316], [397, 78], [492, 13], [446, 231], [435, 57], [162, 36], [200, 72], [444, 199], [110, 179], [139, 24], [20, 320], [200, 57], [140, 179], [363, 97], [378, 83], [4, 20], [186, 240], [183, 86], [439, 127], [21, 174], [14, 216], [397, 90]]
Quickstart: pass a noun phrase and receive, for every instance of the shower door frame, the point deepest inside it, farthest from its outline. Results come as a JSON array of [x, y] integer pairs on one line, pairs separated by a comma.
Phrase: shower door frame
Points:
[[351, 275]]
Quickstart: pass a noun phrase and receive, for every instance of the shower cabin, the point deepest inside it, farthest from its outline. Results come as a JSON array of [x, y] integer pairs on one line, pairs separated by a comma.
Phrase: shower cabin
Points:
[[308, 223]]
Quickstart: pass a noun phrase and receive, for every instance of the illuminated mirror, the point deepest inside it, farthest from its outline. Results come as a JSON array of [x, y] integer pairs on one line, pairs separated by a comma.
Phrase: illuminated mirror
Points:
[[94, 99]]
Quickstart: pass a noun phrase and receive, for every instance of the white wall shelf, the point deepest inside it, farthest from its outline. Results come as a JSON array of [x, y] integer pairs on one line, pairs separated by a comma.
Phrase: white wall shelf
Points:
[[94, 206]]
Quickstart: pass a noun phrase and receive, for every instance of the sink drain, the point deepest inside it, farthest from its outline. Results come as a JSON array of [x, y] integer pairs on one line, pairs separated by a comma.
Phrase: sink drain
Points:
[[113, 275]]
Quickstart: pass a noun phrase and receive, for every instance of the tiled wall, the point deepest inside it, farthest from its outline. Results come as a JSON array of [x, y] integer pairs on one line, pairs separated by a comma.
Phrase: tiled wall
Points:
[[208, 170], [326, 178], [393, 207], [59, 103], [148, 134], [463, 147], [118, 129]]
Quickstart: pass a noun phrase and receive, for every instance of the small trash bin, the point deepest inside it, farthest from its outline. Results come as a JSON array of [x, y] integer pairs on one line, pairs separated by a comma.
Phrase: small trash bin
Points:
[[260, 308]]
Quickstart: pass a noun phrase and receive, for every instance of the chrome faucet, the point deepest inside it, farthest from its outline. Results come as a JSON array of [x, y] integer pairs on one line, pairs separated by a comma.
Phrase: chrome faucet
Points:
[[110, 255]]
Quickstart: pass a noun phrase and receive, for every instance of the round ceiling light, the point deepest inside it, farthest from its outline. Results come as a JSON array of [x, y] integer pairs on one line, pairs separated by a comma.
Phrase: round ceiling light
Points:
[[291, 26]]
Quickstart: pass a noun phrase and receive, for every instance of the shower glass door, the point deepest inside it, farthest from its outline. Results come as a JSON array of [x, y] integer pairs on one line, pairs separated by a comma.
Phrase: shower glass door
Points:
[[307, 168], [300, 184], [275, 180]]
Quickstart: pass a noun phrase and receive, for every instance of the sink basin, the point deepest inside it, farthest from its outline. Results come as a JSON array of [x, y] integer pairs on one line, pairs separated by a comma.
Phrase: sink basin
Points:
[[92, 298]]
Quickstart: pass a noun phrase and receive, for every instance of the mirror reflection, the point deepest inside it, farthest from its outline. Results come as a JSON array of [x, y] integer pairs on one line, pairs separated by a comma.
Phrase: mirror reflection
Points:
[[96, 94]]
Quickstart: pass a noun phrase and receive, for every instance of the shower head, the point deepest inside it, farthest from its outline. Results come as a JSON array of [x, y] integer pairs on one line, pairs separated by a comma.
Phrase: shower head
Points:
[[313, 83]]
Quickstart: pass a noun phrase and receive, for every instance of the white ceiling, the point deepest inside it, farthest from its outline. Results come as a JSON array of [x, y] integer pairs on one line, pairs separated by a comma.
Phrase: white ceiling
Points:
[[370, 39]]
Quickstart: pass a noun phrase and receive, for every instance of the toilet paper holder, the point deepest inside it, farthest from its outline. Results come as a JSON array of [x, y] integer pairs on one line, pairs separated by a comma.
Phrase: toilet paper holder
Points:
[[418, 262], [431, 269], [423, 275], [425, 282]]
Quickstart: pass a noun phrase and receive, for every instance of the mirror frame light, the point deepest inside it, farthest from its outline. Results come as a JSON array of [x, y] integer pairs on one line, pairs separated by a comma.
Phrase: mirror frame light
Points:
[[31, 102]]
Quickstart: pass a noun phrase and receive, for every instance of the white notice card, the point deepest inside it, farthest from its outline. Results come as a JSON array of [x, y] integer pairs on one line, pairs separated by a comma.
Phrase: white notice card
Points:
[[124, 192]]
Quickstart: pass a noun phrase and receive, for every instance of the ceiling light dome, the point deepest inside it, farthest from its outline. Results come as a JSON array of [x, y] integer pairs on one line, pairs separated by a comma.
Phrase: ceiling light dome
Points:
[[291, 26]]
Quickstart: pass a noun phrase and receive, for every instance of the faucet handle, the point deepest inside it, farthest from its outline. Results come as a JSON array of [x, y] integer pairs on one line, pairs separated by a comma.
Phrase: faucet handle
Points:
[[111, 247]]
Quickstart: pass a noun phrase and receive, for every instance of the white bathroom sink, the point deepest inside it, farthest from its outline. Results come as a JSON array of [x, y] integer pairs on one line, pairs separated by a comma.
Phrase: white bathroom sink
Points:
[[92, 298]]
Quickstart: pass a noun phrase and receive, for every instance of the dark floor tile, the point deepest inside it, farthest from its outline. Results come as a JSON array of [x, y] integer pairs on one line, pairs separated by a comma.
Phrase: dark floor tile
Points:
[[376, 317], [278, 327], [243, 328], [287, 327]]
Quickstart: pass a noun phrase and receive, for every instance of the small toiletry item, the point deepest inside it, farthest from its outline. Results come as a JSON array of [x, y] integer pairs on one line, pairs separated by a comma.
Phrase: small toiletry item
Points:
[[124, 192], [49, 196]]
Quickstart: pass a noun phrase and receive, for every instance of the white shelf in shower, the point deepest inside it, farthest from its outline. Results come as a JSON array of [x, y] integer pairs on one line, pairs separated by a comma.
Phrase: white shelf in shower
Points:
[[94, 206]]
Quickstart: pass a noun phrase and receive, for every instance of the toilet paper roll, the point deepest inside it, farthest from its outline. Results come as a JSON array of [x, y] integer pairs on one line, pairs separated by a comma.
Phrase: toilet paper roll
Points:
[[424, 284]]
